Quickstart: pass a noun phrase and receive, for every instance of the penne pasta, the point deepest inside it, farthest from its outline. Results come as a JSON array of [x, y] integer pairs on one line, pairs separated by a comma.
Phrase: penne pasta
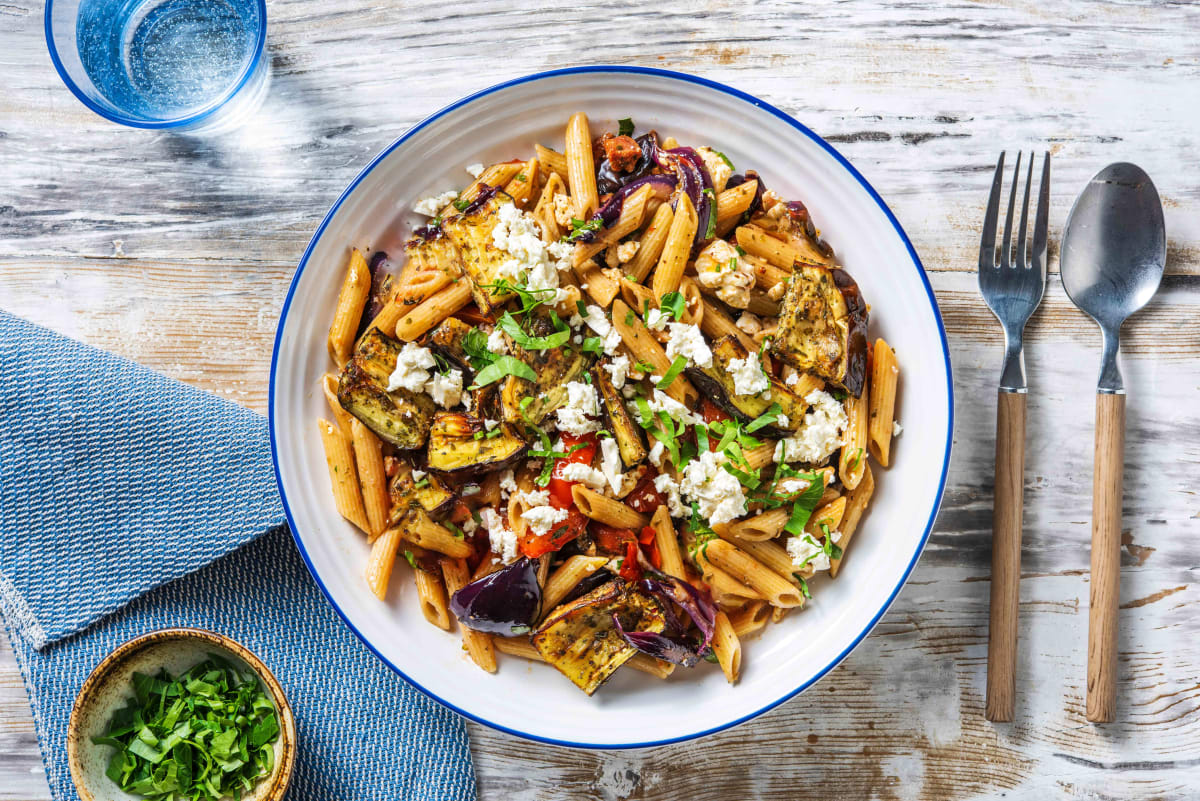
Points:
[[828, 515], [495, 175], [419, 529], [693, 306], [732, 204], [716, 323], [477, 644], [602, 509], [650, 246], [645, 348], [770, 554], [763, 455], [329, 385], [522, 186], [581, 167], [368, 457], [757, 242], [637, 296], [648, 664], [599, 286], [763, 526], [766, 275], [727, 590], [352, 299], [544, 210], [574, 570], [551, 163], [419, 319], [885, 374], [856, 504], [727, 648], [747, 570], [432, 595], [522, 647], [630, 220], [381, 561], [343, 475], [677, 250], [667, 542], [852, 460], [750, 618]]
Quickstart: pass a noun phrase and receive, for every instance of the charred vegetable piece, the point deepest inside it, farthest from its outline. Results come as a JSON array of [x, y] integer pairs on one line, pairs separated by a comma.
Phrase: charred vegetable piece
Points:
[[471, 232], [717, 384], [446, 340], [555, 368], [463, 445], [430, 493], [627, 435], [506, 602], [823, 327], [431, 262], [400, 417], [581, 638], [382, 287]]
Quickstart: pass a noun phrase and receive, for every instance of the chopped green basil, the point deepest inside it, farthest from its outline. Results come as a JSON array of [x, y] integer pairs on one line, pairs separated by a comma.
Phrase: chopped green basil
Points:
[[509, 325], [672, 372], [769, 417], [674, 304], [503, 366], [625, 127]]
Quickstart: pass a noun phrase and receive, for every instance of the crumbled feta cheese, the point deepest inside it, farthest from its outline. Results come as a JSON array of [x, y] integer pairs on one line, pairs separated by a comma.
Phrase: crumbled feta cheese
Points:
[[576, 415], [748, 375], [750, 323], [618, 369], [469, 526], [657, 451], [563, 210], [719, 267], [596, 321], [584, 474], [688, 341], [662, 402], [503, 540], [446, 390], [508, 482], [496, 343], [777, 291], [610, 463], [518, 234], [804, 550], [819, 435], [542, 519], [412, 368], [417, 475], [718, 169], [533, 498], [490, 424], [897, 429], [657, 319], [430, 206], [627, 250], [792, 379], [718, 494], [475, 169], [836, 536], [669, 488]]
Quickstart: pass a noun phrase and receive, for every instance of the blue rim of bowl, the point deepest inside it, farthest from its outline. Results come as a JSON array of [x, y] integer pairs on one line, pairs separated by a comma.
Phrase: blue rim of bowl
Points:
[[178, 122], [671, 75]]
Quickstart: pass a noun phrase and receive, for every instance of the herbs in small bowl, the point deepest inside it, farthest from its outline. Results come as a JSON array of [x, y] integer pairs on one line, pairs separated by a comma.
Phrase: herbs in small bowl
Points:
[[181, 714], [208, 734]]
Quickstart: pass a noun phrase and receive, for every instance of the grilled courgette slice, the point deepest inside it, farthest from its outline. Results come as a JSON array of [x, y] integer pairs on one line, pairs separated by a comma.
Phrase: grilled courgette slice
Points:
[[471, 232], [823, 327], [627, 435], [554, 367], [717, 384], [462, 445], [400, 417], [581, 640]]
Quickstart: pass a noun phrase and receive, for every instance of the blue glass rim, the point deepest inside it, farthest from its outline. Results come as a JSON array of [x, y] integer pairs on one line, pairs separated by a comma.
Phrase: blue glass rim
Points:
[[800, 128], [178, 122]]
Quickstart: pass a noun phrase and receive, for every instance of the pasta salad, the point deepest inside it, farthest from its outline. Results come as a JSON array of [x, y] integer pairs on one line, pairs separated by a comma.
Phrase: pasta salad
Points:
[[614, 405]]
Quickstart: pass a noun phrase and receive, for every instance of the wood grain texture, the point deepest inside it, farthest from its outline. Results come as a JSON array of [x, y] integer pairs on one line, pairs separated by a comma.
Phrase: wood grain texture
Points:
[[1108, 469], [1004, 608], [177, 252]]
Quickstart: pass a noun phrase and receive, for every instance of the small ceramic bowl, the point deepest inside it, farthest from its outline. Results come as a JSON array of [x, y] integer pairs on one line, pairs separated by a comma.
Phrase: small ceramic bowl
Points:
[[109, 687]]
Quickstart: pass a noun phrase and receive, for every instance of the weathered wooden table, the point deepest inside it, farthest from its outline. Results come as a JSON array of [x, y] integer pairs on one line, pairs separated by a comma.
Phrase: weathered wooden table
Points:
[[177, 252]]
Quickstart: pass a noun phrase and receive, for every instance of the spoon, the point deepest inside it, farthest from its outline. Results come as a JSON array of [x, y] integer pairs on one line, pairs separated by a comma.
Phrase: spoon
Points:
[[1114, 249]]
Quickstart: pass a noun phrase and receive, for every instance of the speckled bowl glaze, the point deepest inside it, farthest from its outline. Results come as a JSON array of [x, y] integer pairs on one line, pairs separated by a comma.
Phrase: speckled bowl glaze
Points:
[[632, 710], [108, 688]]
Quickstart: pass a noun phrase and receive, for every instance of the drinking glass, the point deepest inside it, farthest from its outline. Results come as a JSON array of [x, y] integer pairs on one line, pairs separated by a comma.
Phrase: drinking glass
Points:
[[172, 64]]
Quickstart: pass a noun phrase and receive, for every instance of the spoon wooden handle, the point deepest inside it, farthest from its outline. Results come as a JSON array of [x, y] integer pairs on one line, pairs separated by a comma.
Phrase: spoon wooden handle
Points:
[[1006, 556], [1106, 558]]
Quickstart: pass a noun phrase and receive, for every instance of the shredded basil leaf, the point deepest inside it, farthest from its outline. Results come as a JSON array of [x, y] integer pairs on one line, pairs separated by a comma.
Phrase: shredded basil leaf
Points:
[[581, 227], [804, 505], [769, 417], [501, 367], [712, 217], [412, 560], [510, 326], [725, 159], [673, 372], [593, 345], [674, 304], [625, 126], [461, 204]]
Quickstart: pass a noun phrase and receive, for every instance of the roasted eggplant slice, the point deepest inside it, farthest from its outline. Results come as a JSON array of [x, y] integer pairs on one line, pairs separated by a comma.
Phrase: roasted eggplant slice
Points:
[[581, 640], [823, 327], [455, 449], [432, 494], [627, 435], [446, 340], [717, 384], [555, 368], [400, 417], [471, 232]]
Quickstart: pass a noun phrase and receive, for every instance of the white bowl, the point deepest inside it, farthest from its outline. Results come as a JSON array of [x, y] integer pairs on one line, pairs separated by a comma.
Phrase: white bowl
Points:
[[633, 710]]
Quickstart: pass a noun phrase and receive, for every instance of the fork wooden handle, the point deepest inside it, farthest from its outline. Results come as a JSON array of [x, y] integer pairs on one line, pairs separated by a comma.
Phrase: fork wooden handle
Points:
[[1106, 558], [1006, 556]]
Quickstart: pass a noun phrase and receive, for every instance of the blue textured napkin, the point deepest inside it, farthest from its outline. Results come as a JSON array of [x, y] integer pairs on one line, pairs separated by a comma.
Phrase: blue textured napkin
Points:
[[131, 502]]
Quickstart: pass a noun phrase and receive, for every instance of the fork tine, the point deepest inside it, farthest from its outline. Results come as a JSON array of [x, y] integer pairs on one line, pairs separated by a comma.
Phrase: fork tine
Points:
[[1021, 240], [1042, 222], [987, 245], [1006, 245]]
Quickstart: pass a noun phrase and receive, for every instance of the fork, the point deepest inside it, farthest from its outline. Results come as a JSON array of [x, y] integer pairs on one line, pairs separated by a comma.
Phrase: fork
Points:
[[1012, 289]]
